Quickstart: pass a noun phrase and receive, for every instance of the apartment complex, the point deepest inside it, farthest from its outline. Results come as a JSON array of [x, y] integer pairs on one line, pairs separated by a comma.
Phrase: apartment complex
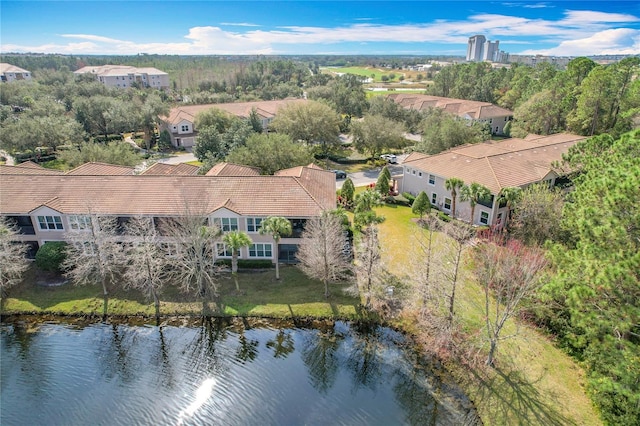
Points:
[[496, 165], [125, 76], [10, 72], [180, 123], [475, 111], [480, 49], [45, 204]]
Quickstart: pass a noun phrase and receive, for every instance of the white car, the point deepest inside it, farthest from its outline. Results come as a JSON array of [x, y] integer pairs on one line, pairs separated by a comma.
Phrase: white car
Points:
[[390, 158]]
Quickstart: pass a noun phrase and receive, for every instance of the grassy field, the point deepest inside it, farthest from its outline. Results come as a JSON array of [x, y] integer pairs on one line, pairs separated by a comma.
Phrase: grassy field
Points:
[[533, 383], [261, 295]]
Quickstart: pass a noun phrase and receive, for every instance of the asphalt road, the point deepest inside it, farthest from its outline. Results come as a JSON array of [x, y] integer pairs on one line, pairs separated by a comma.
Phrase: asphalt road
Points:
[[371, 176]]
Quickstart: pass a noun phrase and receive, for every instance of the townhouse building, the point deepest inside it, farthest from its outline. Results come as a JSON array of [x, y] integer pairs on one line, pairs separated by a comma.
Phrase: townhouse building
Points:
[[180, 123], [472, 111], [496, 165], [45, 205], [10, 73], [123, 76]]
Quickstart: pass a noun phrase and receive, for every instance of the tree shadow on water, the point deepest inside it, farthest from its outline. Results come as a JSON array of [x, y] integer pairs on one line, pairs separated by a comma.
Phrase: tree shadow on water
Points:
[[515, 399]]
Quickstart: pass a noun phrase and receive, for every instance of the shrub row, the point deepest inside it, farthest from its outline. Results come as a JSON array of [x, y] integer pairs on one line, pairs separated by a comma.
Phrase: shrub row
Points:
[[248, 263]]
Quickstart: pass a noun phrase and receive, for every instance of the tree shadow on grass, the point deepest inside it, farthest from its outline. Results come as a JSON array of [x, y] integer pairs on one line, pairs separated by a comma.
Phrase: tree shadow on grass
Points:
[[515, 399]]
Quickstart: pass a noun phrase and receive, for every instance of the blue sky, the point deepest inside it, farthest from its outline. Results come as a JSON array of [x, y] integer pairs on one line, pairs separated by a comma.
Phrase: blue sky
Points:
[[561, 28]]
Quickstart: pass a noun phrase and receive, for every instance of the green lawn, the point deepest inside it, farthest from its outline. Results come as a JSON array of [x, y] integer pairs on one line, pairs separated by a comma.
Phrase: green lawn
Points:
[[262, 295], [534, 382]]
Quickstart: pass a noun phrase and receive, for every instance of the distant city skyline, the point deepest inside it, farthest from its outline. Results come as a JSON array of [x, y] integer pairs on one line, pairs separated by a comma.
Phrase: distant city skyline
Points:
[[553, 28]]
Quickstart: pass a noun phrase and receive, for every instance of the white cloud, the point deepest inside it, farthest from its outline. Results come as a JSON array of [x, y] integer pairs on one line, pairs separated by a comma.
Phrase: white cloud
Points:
[[574, 34], [239, 24], [620, 41]]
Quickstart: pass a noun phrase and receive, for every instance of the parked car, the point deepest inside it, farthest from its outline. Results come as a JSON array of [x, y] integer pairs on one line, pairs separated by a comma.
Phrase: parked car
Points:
[[340, 174], [391, 158]]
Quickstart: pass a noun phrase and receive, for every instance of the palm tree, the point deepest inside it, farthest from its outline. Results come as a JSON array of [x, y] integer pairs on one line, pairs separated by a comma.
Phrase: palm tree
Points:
[[509, 195], [277, 227], [235, 240], [473, 193], [453, 184]]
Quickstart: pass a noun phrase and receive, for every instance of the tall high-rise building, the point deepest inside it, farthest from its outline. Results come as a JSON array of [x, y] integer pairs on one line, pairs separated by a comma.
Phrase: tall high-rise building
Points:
[[490, 51], [475, 48], [481, 49]]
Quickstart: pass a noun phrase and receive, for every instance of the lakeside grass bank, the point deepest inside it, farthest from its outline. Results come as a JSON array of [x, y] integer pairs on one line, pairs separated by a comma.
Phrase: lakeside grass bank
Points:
[[534, 382]]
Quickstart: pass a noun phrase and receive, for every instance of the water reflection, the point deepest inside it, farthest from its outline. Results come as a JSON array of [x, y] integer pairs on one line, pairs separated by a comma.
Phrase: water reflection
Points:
[[218, 372]]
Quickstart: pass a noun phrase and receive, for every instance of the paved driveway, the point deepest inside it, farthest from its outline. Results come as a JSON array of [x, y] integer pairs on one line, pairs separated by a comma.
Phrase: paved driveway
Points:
[[371, 176]]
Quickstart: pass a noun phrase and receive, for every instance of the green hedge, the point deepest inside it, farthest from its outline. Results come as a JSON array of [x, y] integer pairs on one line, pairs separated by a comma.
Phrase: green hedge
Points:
[[248, 263], [444, 217], [51, 256]]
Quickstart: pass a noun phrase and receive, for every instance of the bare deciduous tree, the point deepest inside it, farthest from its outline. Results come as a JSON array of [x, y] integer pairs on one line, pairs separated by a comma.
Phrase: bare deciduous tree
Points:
[[94, 254], [321, 253], [508, 271], [147, 266], [368, 262], [13, 262], [194, 268], [452, 250]]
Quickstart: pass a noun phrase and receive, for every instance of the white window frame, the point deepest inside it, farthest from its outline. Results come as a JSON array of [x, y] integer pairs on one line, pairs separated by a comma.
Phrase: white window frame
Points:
[[254, 224], [230, 225], [254, 250], [432, 180], [486, 219], [434, 198], [445, 203], [224, 252], [184, 128], [50, 223], [79, 222]]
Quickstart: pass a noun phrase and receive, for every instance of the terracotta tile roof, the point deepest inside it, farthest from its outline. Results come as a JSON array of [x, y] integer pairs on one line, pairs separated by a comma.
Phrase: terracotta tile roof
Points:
[[467, 109], [101, 169], [4, 67], [496, 165], [230, 169], [128, 195], [266, 109], [27, 169], [30, 164], [172, 169]]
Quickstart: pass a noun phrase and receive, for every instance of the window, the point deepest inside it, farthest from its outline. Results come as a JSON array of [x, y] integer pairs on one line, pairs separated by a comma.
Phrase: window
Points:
[[253, 224], [224, 251], [413, 172], [226, 224], [407, 171], [260, 250], [447, 203], [432, 180], [49, 223], [184, 128], [434, 198], [484, 218], [419, 174], [79, 222]]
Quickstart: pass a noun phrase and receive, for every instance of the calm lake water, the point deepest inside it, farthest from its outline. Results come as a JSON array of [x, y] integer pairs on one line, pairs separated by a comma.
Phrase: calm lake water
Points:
[[219, 373]]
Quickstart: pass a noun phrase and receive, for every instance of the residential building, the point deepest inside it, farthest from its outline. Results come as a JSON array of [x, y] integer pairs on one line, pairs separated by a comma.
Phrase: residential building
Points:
[[10, 73], [491, 51], [496, 165], [45, 206], [473, 111], [180, 123], [475, 47], [124, 76]]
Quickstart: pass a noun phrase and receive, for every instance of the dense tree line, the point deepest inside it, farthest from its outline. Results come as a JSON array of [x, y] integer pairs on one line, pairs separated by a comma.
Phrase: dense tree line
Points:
[[586, 98]]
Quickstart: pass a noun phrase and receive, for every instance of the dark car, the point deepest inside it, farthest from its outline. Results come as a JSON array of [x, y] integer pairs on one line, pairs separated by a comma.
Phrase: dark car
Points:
[[340, 174]]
